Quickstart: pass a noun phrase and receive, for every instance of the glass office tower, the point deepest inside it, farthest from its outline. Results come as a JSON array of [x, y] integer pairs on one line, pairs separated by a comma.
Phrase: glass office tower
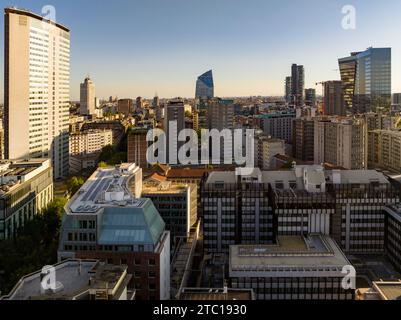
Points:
[[366, 78], [205, 86]]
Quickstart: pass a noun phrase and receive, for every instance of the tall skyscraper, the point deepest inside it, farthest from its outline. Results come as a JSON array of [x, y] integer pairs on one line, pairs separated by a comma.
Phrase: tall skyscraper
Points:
[[367, 80], [88, 99], [36, 89], [297, 85], [333, 102], [220, 116], [288, 89], [156, 102], [310, 97], [205, 86], [174, 123]]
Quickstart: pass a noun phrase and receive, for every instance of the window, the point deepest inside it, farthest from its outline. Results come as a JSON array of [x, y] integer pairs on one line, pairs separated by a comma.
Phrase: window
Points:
[[152, 286], [152, 262], [137, 261], [152, 274]]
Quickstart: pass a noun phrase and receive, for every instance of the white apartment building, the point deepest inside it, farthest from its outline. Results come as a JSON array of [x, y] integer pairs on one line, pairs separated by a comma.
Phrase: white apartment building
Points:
[[86, 146], [268, 148], [36, 89]]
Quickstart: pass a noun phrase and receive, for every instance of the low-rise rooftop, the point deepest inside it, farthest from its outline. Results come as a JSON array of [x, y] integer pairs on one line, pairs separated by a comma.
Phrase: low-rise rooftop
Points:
[[106, 187], [293, 253], [74, 280]]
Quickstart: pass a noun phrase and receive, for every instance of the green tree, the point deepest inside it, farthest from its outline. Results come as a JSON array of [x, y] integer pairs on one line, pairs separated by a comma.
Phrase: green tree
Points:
[[34, 246], [75, 183]]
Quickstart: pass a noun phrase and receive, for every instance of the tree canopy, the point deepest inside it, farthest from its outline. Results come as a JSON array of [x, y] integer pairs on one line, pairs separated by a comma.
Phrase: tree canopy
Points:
[[34, 247]]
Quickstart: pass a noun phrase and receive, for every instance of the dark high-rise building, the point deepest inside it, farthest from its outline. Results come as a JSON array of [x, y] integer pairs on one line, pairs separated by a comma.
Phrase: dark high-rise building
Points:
[[205, 86], [288, 89], [310, 97], [366, 78], [297, 85], [174, 123], [333, 102], [304, 139], [156, 102], [139, 103]]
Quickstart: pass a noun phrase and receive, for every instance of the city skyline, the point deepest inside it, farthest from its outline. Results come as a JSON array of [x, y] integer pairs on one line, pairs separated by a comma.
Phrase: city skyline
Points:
[[247, 48]]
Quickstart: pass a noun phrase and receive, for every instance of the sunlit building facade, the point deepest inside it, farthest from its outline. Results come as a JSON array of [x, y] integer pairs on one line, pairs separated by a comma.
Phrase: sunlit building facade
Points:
[[367, 80]]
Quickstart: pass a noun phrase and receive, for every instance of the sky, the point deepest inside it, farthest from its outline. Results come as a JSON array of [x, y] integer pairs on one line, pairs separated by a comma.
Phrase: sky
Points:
[[136, 48]]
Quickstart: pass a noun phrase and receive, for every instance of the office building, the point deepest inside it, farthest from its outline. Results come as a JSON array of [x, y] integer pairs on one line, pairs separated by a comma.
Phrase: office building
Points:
[[26, 188], [220, 116], [119, 128], [137, 147], [303, 139], [125, 106], [205, 86], [296, 268], [174, 123], [366, 78], [393, 235], [36, 89], [106, 221], [267, 149], [176, 203], [156, 102], [235, 210], [333, 100], [310, 97], [87, 98], [139, 103], [288, 90], [340, 142], [255, 209], [384, 150], [278, 125], [76, 280], [297, 85], [86, 147]]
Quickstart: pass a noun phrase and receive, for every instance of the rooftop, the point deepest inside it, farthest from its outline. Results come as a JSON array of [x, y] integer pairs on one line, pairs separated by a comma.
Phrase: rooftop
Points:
[[200, 294], [314, 174], [290, 252], [74, 281], [388, 290], [15, 172], [31, 14], [163, 187], [106, 187]]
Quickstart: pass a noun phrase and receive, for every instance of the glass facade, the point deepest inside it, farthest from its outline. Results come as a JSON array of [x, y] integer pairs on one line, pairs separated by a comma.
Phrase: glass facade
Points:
[[205, 86], [367, 80]]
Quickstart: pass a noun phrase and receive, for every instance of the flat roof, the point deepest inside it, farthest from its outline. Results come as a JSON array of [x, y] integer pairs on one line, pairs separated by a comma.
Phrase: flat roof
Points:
[[388, 290], [202, 294], [295, 251], [31, 14], [75, 277], [106, 187], [286, 176]]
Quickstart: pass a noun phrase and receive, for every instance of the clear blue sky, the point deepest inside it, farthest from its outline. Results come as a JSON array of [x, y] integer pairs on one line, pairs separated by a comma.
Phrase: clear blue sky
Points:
[[138, 47]]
